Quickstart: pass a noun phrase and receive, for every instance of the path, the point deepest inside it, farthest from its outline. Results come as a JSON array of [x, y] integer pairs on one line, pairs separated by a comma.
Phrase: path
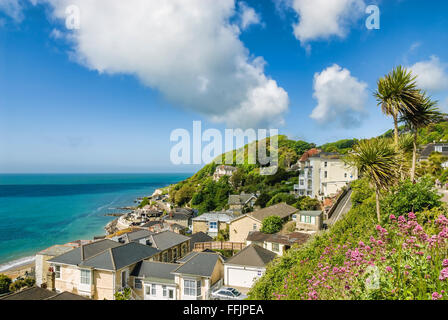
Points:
[[344, 206]]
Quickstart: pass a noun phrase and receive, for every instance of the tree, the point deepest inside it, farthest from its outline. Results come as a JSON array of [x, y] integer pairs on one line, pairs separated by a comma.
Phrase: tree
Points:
[[397, 92], [426, 113], [5, 282], [262, 200], [308, 204], [378, 162], [237, 178], [272, 224]]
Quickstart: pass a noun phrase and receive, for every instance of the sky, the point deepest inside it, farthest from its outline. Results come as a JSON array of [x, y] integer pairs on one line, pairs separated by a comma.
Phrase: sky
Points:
[[91, 86]]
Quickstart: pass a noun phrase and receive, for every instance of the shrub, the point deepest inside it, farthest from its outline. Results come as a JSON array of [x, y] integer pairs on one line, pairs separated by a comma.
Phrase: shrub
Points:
[[125, 295], [272, 224], [5, 282], [262, 200], [282, 197], [407, 197]]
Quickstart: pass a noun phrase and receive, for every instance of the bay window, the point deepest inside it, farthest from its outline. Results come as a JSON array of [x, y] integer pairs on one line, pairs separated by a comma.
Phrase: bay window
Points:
[[85, 276], [192, 288]]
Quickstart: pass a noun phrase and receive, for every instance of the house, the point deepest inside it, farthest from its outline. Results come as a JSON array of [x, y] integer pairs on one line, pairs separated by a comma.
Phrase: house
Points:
[[199, 275], [242, 225], [244, 268], [277, 243], [42, 266], [212, 222], [154, 280], [99, 269], [170, 244], [310, 221], [199, 237], [179, 218], [37, 293], [222, 171], [323, 174], [434, 147], [242, 203]]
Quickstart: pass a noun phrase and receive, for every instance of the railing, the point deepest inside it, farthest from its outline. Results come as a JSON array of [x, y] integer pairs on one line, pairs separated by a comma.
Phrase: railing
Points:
[[217, 245]]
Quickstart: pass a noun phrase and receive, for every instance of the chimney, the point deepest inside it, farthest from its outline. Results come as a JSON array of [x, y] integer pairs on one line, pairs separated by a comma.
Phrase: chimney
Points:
[[50, 281]]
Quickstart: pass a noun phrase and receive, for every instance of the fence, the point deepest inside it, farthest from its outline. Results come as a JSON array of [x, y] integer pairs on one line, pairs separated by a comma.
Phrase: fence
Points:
[[201, 246]]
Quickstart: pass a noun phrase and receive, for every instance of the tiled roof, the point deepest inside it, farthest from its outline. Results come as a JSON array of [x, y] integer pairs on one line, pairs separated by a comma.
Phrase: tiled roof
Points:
[[430, 148], [281, 210], [219, 216], [156, 271], [167, 239], [200, 264], [253, 255], [290, 239]]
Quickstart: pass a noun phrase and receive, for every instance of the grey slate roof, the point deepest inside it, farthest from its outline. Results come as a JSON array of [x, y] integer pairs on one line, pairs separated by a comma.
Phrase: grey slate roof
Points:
[[290, 239], [66, 296], [281, 210], [215, 216], [167, 239], [33, 293], [155, 271], [199, 237], [240, 199], [77, 255], [137, 235], [200, 264], [119, 257], [430, 148], [253, 256]]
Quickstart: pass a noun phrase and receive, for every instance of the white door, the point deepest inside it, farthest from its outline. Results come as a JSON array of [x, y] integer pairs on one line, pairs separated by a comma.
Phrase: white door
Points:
[[238, 277]]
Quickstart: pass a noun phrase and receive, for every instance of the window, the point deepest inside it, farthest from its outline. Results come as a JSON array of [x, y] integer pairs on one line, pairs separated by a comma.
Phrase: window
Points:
[[164, 291], [174, 253], [302, 182], [275, 247], [153, 289], [192, 288], [345, 175], [148, 290], [213, 225], [326, 164], [138, 283], [85, 276], [184, 249], [57, 272], [325, 174], [438, 149], [165, 257], [255, 226]]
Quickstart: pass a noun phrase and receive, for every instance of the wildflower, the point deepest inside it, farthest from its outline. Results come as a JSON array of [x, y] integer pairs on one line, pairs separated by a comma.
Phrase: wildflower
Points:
[[411, 215], [436, 296], [443, 274], [445, 263], [428, 258], [389, 269], [392, 217]]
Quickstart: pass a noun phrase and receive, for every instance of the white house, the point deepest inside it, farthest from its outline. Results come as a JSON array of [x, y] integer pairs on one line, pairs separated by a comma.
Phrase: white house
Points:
[[154, 280], [246, 267]]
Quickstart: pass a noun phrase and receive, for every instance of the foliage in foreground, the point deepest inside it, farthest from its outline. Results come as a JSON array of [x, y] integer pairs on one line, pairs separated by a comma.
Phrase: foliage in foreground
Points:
[[272, 224], [404, 257], [5, 282]]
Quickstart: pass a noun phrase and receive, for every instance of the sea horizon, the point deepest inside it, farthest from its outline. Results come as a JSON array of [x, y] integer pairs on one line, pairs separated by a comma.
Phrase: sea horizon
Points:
[[38, 210]]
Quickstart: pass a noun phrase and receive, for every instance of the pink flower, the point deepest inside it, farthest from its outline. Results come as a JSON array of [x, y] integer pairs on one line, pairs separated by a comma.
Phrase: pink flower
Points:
[[388, 269], [411, 215], [445, 263], [443, 274], [428, 258], [436, 296], [392, 217]]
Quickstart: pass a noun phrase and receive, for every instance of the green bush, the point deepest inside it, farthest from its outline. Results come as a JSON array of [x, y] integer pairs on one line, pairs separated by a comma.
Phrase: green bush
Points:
[[282, 197], [410, 197], [5, 282], [272, 224]]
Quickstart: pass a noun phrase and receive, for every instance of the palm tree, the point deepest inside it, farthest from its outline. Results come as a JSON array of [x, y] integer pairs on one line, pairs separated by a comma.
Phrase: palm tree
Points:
[[426, 113], [379, 162], [397, 92]]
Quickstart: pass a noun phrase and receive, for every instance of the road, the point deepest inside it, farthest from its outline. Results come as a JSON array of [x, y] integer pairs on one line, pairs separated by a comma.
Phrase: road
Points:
[[344, 206]]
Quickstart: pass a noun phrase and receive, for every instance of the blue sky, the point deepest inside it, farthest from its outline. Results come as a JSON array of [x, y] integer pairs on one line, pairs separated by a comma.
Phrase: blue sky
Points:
[[107, 99]]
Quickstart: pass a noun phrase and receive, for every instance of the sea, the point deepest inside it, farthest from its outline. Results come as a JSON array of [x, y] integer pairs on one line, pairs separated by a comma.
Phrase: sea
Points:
[[41, 210]]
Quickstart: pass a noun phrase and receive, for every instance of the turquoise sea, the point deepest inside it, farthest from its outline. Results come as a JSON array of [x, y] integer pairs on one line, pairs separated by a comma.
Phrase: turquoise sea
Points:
[[40, 210]]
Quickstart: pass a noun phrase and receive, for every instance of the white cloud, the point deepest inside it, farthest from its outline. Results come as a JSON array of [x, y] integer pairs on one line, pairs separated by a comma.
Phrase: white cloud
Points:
[[248, 16], [188, 50], [340, 97], [432, 75], [12, 8], [322, 19]]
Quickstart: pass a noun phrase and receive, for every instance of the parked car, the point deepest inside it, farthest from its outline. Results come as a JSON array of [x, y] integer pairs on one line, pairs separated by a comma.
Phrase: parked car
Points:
[[227, 294]]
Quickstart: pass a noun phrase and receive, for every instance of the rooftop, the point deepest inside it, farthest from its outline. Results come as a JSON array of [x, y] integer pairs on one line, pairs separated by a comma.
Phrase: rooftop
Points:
[[199, 264], [281, 210], [155, 271], [253, 256], [290, 239], [215, 216], [167, 239]]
